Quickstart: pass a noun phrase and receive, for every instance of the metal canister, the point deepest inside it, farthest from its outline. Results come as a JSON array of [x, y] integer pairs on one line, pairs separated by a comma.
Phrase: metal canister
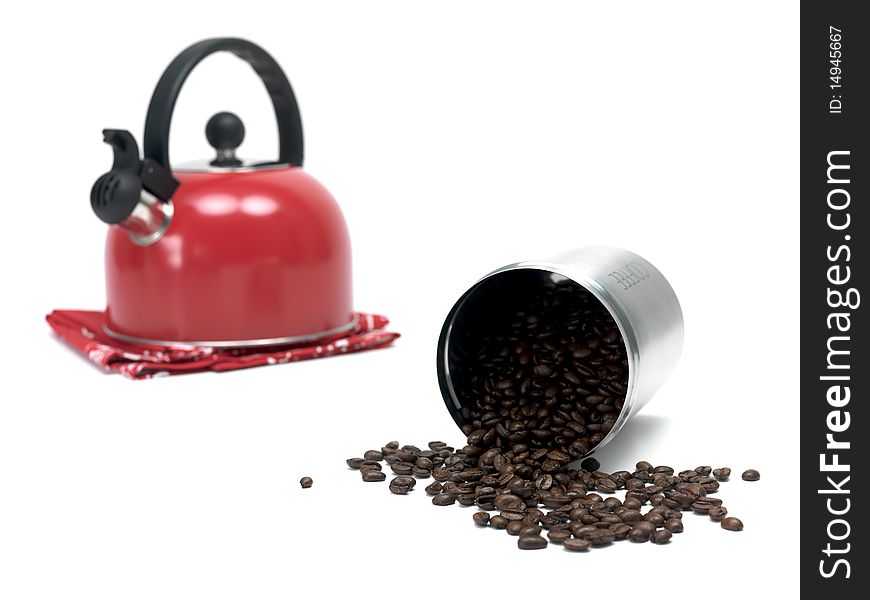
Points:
[[637, 296]]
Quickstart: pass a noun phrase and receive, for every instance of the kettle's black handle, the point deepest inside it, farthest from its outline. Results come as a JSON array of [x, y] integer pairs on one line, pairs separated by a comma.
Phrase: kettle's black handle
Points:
[[156, 142]]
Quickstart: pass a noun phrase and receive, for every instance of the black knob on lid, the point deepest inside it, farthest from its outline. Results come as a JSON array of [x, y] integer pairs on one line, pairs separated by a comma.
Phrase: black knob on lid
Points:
[[225, 132]]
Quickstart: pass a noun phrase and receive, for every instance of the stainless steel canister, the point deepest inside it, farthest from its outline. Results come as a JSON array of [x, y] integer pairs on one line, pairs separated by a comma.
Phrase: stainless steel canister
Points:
[[637, 295]]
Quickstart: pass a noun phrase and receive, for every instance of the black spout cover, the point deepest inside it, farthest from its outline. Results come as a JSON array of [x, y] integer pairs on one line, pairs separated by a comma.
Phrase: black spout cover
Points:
[[115, 194]]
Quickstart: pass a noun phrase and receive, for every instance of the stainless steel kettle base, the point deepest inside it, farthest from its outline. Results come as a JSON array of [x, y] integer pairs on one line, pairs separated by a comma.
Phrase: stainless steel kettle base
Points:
[[278, 341]]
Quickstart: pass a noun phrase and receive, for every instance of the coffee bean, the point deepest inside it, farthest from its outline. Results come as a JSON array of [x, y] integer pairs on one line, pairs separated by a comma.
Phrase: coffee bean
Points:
[[437, 446], [369, 467], [509, 502], [662, 536], [404, 480], [702, 507], [674, 525], [530, 530], [531, 542], [514, 527], [434, 488], [576, 545], [655, 518], [498, 521], [722, 474], [605, 485], [620, 530], [466, 499], [402, 468], [751, 475], [399, 489], [425, 463], [481, 519], [600, 537], [717, 513], [421, 473], [559, 535], [306, 482], [512, 515], [374, 476], [443, 499], [638, 534], [590, 464], [732, 524], [355, 463], [373, 455]]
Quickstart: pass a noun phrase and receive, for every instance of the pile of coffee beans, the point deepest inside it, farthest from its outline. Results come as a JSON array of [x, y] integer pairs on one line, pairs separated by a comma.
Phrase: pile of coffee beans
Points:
[[545, 369], [576, 508]]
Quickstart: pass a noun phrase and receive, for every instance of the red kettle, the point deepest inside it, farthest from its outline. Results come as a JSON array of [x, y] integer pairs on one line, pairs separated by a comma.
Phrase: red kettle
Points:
[[228, 254]]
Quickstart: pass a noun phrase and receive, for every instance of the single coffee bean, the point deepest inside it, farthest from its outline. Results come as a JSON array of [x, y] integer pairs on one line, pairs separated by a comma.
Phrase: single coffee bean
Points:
[[514, 527], [631, 515], [732, 524], [481, 519], [632, 503], [434, 488], [374, 476], [441, 474], [509, 502], [674, 525], [717, 513], [399, 489], [466, 499], [751, 475], [404, 480], [590, 464], [374, 455], [512, 515], [600, 537], [355, 463], [421, 473], [425, 463], [531, 542], [639, 534], [722, 474], [530, 530], [306, 482], [443, 499], [655, 518], [402, 468], [620, 530], [702, 507], [576, 545], [498, 521], [558, 536], [608, 486], [662, 536]]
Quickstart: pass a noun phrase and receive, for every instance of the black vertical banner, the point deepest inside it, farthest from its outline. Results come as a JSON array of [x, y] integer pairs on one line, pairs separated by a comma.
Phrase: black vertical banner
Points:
[[835, 367]]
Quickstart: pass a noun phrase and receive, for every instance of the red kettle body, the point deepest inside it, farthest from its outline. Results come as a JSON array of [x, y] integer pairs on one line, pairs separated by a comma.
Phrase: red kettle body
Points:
[[228, 254]]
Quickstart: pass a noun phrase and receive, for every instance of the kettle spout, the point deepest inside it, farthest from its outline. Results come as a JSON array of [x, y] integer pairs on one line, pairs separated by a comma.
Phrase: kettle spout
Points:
[[149, 220]]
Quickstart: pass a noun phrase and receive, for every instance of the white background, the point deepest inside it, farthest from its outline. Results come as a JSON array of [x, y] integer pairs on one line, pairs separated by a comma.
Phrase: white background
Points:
[[457, 139]]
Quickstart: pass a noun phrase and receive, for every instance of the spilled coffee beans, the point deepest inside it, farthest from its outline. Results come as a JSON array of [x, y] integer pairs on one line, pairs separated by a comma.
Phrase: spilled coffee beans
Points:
[[536, 496]]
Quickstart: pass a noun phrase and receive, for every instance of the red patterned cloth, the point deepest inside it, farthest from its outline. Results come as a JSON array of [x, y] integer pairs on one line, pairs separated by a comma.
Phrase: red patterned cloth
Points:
[[83, 330]]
